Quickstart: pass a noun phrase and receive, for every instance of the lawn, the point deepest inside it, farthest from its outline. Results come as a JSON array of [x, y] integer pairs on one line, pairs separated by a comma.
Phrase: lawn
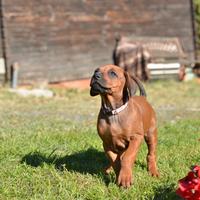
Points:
[[50, 148]]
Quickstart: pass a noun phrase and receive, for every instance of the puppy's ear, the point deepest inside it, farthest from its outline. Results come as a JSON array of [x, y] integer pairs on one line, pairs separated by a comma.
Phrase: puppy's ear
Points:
[[130, 84]]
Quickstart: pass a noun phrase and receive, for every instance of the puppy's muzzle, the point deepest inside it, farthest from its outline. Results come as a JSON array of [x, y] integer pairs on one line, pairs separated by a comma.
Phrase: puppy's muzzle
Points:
[[97, 75], [96, 84]]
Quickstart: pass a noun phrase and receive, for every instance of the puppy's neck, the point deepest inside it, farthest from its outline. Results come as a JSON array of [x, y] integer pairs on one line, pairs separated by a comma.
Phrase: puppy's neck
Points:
[[111, 102]]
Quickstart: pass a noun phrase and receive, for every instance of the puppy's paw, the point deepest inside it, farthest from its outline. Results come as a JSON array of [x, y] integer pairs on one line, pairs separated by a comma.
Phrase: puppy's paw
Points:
[[154, 173], [125, 178], [152, 169]]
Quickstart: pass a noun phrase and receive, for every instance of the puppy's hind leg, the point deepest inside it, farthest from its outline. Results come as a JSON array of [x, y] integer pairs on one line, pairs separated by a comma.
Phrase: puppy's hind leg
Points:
[[151, 140]]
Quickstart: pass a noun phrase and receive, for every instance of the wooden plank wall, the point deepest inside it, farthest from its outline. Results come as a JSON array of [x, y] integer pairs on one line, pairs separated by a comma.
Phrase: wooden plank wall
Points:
[[2, 66], [67, 39], [1, 31]]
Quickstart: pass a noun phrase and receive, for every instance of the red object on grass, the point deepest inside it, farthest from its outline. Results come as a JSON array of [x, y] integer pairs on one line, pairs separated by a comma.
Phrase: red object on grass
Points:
[[189, 187]]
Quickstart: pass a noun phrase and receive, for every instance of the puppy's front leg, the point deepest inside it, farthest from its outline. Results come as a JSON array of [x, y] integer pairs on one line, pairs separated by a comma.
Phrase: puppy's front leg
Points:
[[113, 160], [127, 160]]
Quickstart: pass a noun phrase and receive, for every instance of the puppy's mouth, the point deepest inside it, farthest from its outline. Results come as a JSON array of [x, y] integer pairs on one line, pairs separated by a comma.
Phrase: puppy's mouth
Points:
[[98, 88]]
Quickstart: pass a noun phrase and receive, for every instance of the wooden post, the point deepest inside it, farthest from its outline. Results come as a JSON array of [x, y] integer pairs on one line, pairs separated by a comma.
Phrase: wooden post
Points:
[[14, 75]]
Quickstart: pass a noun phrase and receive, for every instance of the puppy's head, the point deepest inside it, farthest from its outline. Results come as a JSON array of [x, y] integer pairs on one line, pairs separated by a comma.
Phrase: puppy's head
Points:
[[111, 79]]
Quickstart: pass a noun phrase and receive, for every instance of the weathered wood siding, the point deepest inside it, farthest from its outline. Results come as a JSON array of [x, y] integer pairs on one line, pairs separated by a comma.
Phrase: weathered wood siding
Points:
[[2, 65], [1, 40], [67, 39]]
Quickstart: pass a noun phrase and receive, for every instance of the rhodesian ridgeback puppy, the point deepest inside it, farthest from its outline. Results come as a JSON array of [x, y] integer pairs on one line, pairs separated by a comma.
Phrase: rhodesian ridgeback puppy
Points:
[[124, 121]]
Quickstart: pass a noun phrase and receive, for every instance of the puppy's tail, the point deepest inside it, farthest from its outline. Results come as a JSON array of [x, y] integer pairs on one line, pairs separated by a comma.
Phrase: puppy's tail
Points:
[[140, 86]]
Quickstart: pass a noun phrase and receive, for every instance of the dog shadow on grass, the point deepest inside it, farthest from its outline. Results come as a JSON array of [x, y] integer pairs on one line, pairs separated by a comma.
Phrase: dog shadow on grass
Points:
[[90, 161]]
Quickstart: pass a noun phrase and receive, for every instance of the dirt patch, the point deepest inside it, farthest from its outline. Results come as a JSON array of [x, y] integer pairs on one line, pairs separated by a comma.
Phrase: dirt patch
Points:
[[77, 84], [80, 84]]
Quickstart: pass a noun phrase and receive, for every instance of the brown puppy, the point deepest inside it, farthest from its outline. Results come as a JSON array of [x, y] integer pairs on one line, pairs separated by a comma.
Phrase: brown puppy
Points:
[[124, 121]]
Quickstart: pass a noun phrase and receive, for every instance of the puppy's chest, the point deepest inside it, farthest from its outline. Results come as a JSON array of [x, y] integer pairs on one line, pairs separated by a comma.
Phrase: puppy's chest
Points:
[[114, 134]]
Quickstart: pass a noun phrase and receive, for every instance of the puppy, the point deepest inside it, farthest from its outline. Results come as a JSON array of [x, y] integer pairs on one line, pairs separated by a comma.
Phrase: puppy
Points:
[[124, 121]]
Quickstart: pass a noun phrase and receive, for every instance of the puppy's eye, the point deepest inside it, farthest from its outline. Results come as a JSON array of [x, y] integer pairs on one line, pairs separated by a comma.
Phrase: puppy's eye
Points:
[[112, 74]]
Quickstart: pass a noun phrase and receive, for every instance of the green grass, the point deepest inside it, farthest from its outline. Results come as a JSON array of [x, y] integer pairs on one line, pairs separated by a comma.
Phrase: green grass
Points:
[[49, 148]]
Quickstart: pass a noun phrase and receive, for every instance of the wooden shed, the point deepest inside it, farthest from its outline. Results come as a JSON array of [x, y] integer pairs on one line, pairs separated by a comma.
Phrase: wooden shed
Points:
[[67, 39]]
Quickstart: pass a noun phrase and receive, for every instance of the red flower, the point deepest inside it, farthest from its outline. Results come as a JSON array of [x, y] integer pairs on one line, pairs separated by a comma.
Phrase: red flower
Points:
[[189, 187]]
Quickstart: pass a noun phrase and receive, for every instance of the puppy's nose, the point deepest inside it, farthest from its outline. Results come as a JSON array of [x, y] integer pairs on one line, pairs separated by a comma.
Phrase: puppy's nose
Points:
[[97, 74]]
